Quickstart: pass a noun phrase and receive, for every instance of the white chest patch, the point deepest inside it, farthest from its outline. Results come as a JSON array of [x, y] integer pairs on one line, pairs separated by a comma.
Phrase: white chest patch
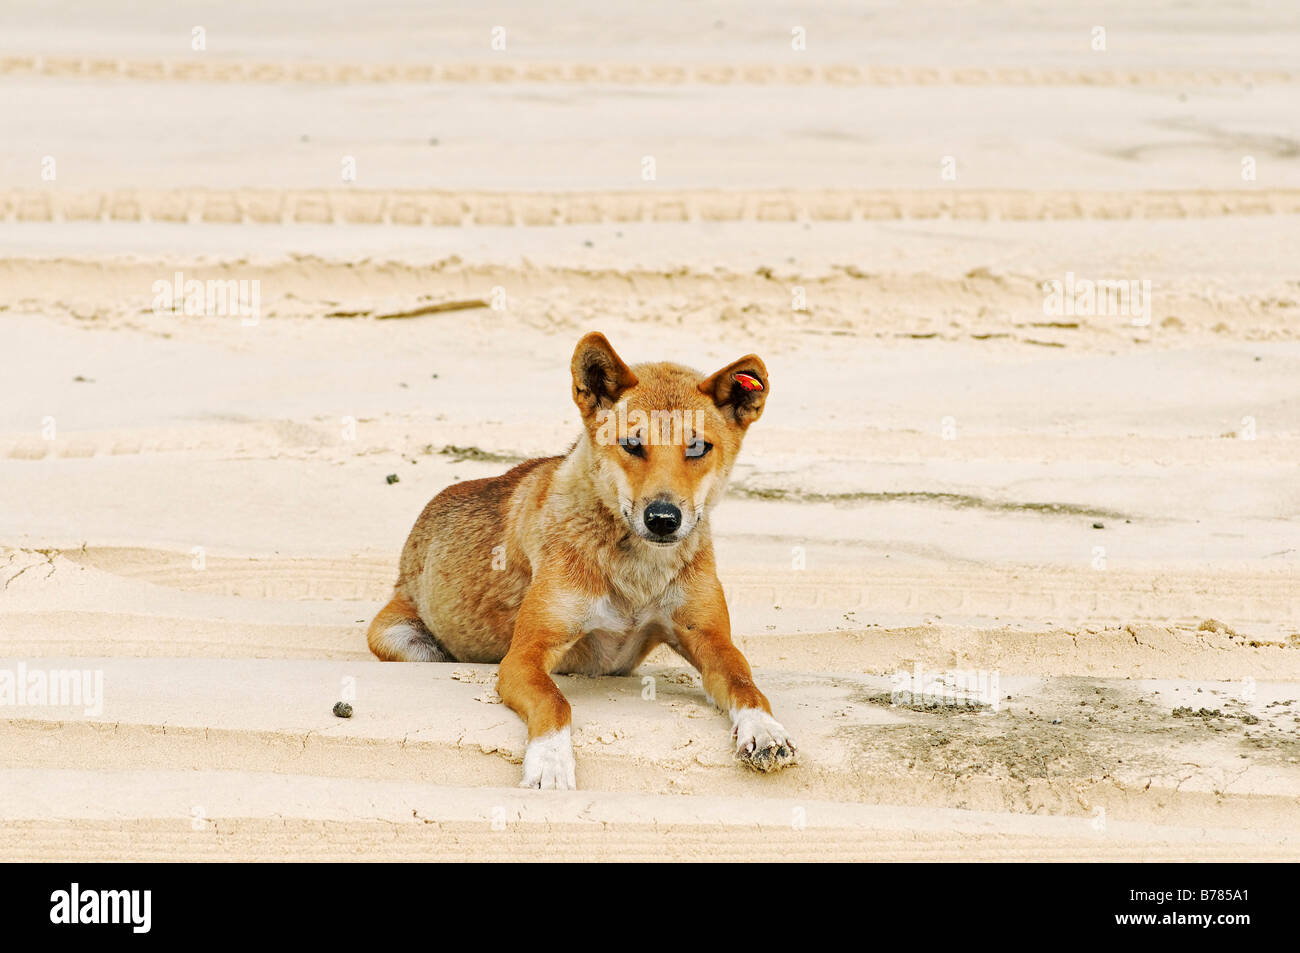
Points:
[[605, 617], [616, 633]]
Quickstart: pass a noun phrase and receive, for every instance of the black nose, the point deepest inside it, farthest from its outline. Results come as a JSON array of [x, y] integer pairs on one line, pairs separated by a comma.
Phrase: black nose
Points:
[[662, 519]]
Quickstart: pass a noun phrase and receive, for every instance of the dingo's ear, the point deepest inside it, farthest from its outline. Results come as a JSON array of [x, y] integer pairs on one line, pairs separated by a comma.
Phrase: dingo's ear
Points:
[[599, 375], [739, 389]]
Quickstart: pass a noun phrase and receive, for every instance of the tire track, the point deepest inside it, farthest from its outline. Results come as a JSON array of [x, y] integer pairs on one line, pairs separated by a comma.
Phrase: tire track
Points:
[[453, 209], [212, 70]]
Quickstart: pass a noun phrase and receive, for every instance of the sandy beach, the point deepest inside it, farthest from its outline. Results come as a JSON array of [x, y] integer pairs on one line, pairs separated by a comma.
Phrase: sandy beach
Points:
[[203, 508]]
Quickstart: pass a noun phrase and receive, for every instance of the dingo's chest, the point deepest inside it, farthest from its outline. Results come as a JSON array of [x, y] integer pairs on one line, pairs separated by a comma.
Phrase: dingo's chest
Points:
[[616, 635]]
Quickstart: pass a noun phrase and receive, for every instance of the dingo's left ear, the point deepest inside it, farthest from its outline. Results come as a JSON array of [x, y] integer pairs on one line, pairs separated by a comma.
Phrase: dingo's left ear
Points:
[[599, 375], [739, 389]]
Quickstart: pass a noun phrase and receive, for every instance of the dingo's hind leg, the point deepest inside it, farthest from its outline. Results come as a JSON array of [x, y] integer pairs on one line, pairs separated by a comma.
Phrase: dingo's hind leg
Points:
[[398, 635]]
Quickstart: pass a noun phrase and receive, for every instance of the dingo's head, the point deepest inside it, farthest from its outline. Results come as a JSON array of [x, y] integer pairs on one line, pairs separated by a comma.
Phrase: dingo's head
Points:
[[663, 437]]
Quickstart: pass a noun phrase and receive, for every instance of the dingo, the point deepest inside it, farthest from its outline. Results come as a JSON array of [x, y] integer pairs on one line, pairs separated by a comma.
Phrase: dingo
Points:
[[587, 561]]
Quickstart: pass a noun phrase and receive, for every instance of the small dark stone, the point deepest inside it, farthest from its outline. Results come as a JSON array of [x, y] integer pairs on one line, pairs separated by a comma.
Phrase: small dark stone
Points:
[[342, 710], [1098, 525], [392, 478]]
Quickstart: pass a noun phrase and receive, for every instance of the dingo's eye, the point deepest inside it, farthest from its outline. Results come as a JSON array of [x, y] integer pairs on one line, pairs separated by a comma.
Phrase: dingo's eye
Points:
[[632, 445], [697, 448]]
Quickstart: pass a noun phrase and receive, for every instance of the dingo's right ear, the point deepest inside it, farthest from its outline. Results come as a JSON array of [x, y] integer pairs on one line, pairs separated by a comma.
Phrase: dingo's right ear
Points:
[[599, 375]]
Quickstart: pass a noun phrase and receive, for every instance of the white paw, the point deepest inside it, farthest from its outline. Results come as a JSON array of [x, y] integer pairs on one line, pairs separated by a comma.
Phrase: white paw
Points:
[[548, 762], [761, 742]]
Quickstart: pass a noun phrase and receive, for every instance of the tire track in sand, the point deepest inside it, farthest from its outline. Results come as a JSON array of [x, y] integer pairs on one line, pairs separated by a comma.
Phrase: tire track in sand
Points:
[[213, 70], [549, 208]]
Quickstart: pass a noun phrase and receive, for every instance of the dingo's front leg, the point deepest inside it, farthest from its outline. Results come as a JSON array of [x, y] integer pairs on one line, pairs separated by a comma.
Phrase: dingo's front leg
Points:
[[524, 683], [703, 633]]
